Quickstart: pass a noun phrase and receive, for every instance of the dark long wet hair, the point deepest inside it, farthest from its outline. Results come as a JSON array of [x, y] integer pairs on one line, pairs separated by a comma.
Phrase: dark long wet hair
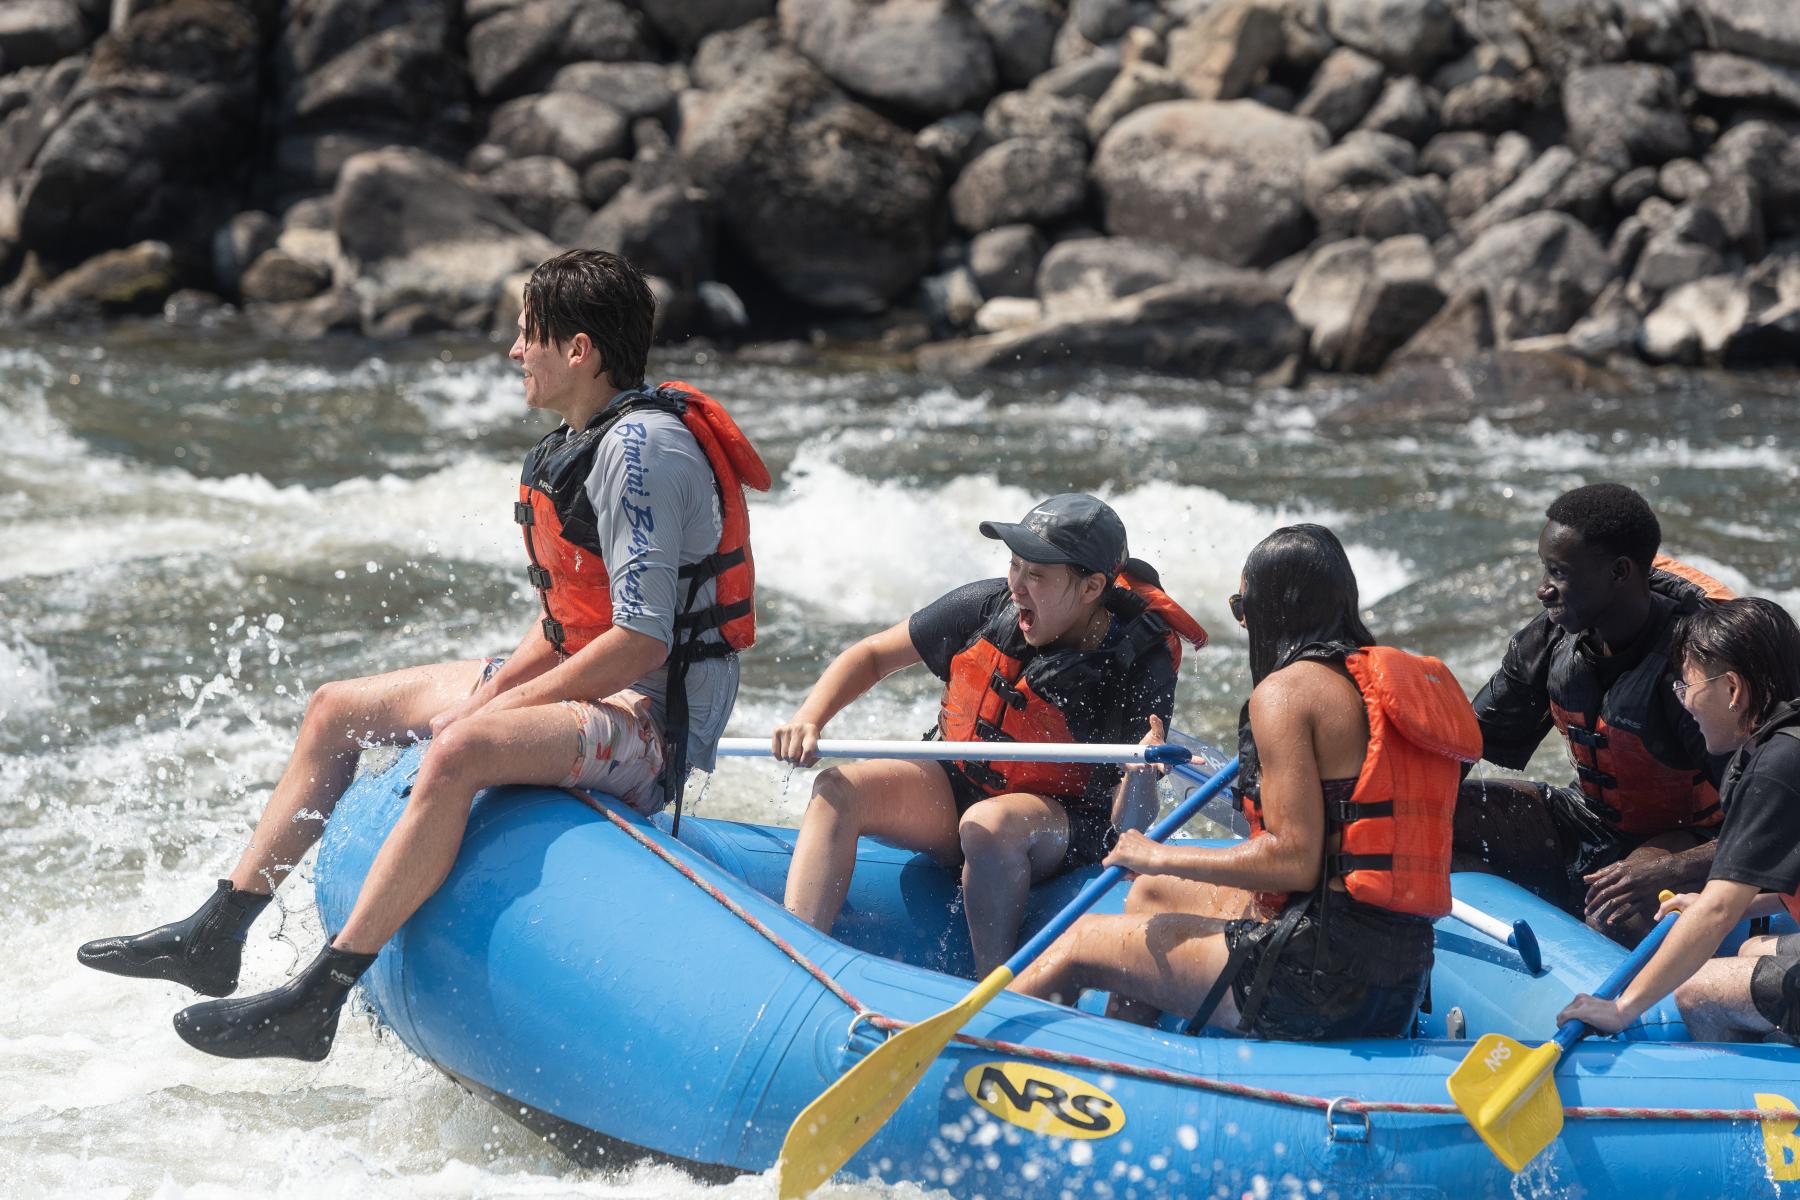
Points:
[[1298, 589], [1752, 636]]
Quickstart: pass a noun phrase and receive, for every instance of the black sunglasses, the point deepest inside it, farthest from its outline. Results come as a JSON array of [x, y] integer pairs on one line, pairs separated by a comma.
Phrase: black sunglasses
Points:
[[1236, 601]]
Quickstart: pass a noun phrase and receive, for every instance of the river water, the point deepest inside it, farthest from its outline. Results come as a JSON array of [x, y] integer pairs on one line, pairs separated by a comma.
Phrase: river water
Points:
[[196, 530]]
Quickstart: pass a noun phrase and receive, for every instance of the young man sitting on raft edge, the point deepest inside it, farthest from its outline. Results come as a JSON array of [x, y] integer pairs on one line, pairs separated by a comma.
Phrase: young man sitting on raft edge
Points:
[[1596, 664], [1077, 644], [635, 525]]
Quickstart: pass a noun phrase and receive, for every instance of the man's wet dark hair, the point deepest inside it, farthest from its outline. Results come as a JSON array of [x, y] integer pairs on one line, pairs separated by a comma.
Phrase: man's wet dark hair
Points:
[[1752, 636], [601, 295], [1299, 588], [1611, 518]]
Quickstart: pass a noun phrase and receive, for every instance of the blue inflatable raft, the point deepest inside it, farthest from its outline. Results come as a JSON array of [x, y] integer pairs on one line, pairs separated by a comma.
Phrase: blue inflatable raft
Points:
[[630, 995]]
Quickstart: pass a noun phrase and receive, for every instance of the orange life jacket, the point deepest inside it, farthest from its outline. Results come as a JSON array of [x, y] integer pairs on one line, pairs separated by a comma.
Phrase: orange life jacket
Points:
[[1003, 690], [561, 529], [1394, 831], [1620, 756]]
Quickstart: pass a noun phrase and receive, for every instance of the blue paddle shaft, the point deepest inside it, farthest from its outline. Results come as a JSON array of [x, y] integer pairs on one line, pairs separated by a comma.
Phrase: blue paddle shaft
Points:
[[1624, 973], [1102, 883]]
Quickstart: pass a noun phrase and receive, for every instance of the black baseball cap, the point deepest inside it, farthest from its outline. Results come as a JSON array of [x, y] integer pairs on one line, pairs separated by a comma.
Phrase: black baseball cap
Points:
[[1073, 528]]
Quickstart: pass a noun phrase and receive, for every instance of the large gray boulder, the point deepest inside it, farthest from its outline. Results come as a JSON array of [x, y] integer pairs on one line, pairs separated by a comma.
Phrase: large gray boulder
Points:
[[1696, 321], [1541, 272], [1763, 28], [1085, 275], [836, 205], [149, 144], [637, 89], [928, 57], [542, 191], [1023, 33], [33, 32], [571, 126], [661, 221], [1362, 300], [1410, 206], [1220, 53], [1625, 113], [133, 279], [519, 48], [390, 68], [684, 22], [1340, 181], [1752, 81], [413, 230], [1406, 109], [1004, 261], [1768, 155], [1408, 35], [1219, 179], [1035, 180], [1343, 90], [1230, 325], [1136, 86], [1033, 115]]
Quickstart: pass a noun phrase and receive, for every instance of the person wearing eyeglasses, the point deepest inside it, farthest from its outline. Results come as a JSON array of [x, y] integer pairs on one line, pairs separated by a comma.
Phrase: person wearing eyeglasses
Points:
[[1596, 665], [1740, 678], [1318, 925], [1079, 643]]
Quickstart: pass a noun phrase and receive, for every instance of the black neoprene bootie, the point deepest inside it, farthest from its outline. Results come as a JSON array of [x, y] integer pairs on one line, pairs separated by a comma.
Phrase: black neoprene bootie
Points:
[[202, 952], [296, 1020]]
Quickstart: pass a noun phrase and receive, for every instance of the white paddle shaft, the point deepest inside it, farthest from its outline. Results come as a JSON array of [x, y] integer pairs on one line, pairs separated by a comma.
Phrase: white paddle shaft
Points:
[[1473, 917], [1052, 752]]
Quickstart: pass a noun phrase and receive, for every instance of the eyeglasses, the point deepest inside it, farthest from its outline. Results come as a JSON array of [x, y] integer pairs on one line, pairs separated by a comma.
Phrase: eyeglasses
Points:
[[1680, 686], [1236, 601]]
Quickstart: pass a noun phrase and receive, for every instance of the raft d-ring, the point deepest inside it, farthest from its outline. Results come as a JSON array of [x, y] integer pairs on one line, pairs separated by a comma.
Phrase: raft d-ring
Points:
[[1346, 1131], [871, 1016]]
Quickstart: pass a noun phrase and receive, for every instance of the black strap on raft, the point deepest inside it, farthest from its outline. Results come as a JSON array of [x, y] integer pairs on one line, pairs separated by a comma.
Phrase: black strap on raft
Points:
[[1258, 991]]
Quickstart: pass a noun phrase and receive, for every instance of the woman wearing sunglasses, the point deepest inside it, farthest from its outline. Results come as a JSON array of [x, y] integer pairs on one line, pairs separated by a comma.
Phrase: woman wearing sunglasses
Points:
[[1319, 924], [1740, 678]]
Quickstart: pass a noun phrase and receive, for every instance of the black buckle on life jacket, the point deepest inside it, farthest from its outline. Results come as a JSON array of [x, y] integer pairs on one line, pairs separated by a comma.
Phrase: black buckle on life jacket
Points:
[[712, 616], [983, 776], [1593, 739], [1015, 699], [1599, 779], [522, 513], [1339, 865], [712, 564], [1345, 811], [539, 576], [553, 632], [987, 731]]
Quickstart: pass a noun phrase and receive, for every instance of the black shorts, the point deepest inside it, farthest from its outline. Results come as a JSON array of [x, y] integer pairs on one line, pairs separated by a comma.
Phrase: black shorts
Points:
[[1091, 832], [1542, 837], [1359, 973], [1775, 986]]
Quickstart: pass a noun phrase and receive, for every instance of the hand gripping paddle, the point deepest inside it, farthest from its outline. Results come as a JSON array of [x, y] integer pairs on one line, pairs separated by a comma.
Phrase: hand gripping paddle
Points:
[[1508, 1092]]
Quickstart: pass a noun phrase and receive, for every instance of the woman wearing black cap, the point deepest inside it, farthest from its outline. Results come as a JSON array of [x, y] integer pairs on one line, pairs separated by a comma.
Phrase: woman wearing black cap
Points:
[[1076, 644]]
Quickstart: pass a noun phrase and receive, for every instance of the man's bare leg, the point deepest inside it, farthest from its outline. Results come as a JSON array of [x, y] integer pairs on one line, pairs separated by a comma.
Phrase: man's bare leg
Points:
[[1715, 1002], [906, 803], [519, 746], [1009, 842], [203, 951], [1166, 962], [341, 719]]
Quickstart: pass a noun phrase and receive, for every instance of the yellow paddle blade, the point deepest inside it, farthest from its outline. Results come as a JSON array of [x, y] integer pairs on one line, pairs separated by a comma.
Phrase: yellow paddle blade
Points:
[[1508, 1094], [847, 1114]]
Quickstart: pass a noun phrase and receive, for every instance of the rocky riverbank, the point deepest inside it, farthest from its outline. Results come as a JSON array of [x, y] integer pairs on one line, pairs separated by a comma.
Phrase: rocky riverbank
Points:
[[1233, 187]]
